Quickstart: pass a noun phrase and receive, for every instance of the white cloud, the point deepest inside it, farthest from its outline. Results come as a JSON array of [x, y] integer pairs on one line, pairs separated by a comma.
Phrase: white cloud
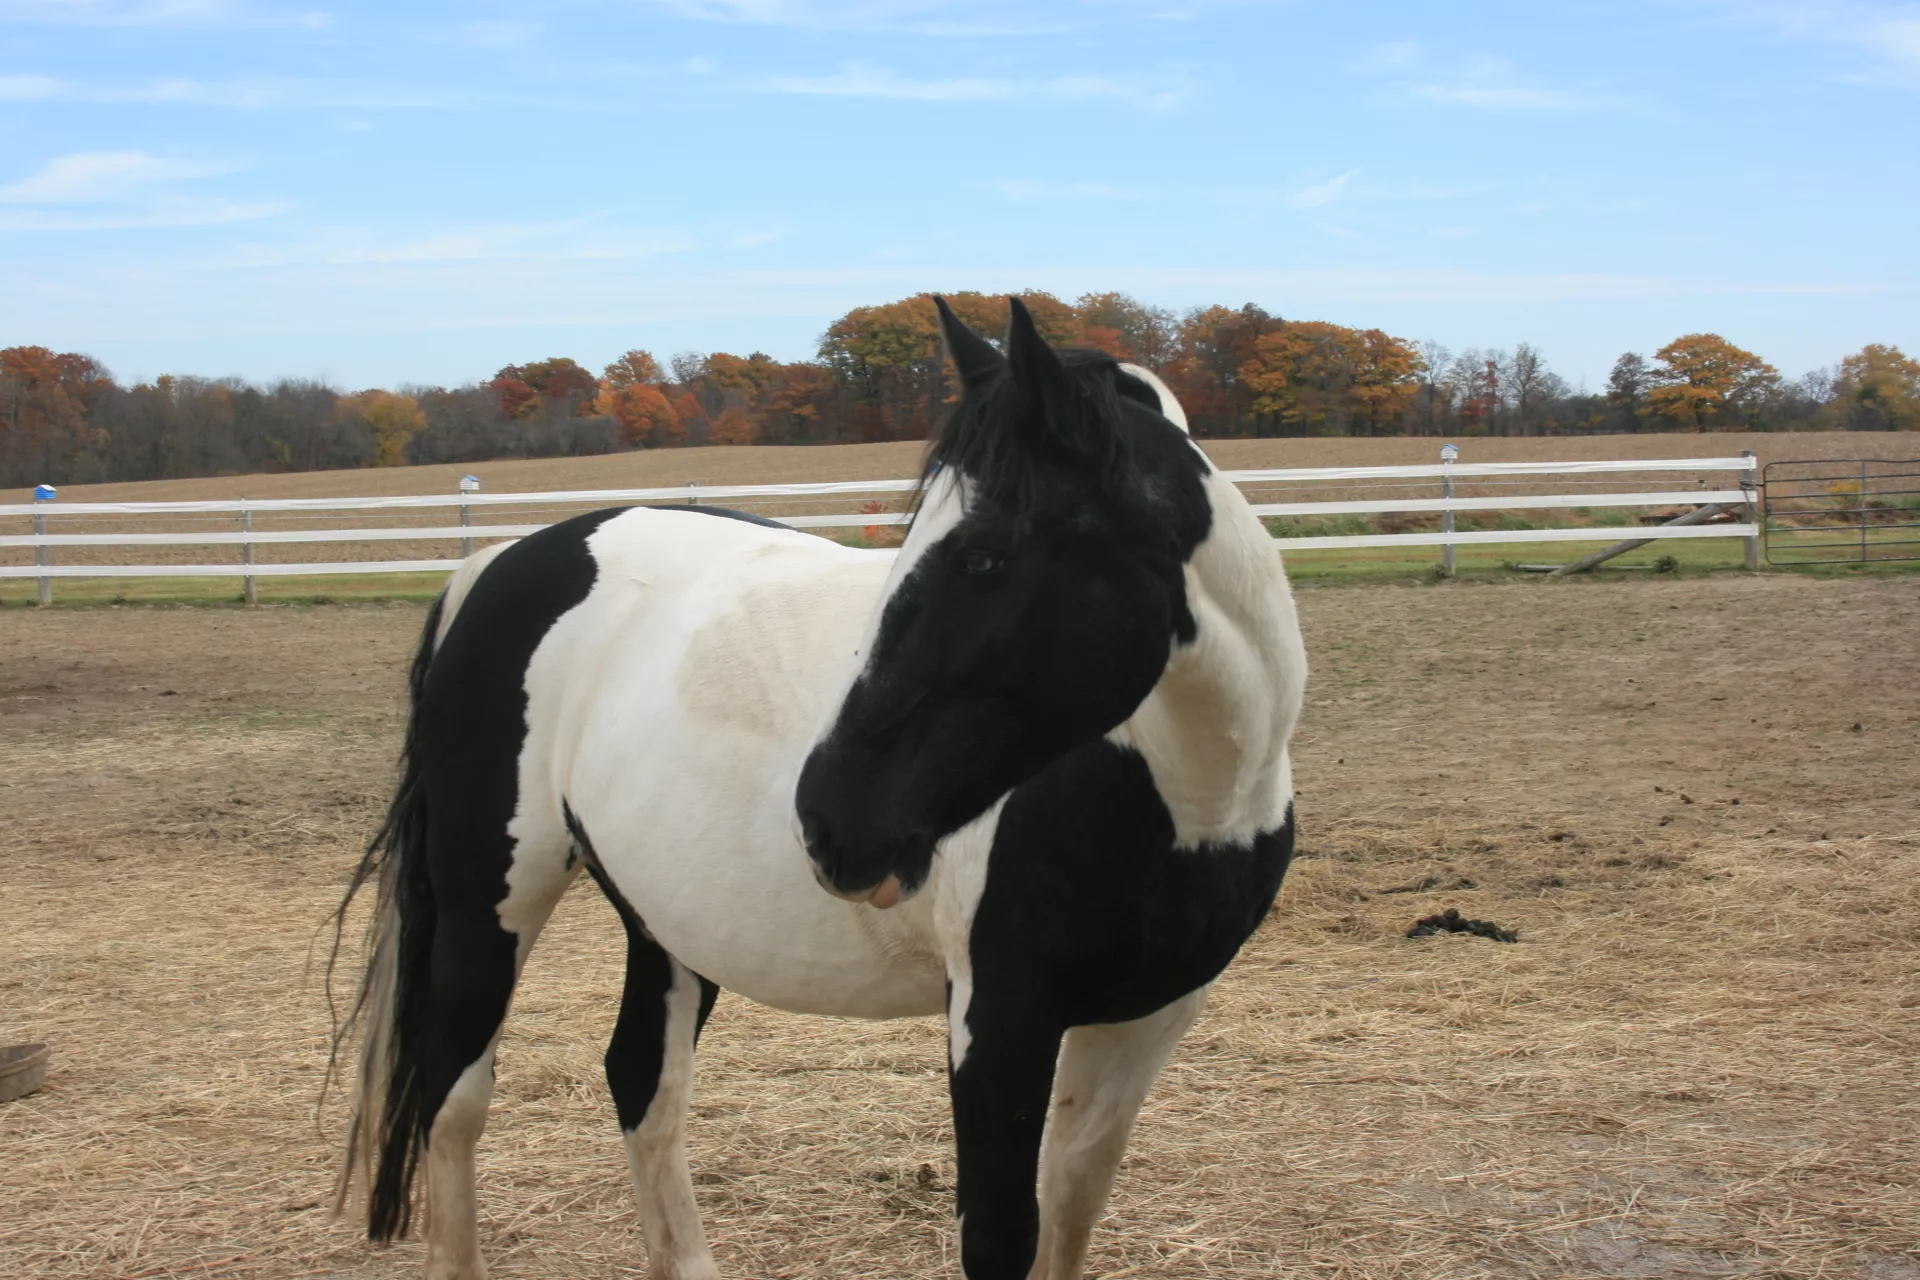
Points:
[[120, 190], [1395, 55], [1500, 97], [857, 80], [564, 240], [1898, 38], [1021, 190], [910, 17], [28, 88], [155, 13], [1326, 192], [1890, 32], [498, 33], [93, 177], [164, 213]]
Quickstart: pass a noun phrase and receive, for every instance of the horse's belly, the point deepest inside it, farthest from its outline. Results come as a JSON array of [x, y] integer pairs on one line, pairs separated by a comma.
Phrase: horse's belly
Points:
[[747, 921]]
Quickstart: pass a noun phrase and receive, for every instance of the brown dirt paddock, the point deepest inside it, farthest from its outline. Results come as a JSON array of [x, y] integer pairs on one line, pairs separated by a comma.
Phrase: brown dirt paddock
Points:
[[1694, 799]]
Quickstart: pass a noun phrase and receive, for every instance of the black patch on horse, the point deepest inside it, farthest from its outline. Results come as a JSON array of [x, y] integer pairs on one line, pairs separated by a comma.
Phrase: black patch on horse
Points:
[[1040, 622], [443, 854], [638, 1051]]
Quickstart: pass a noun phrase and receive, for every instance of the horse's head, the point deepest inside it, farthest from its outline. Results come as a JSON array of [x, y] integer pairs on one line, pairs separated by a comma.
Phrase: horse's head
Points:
[[1033, 606]]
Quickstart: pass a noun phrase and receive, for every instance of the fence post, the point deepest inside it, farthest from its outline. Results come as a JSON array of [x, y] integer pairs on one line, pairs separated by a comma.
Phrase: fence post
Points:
[[42, 554], [693, 499], [1448, 452], [1753, 515], [468, 484], [249, 592]]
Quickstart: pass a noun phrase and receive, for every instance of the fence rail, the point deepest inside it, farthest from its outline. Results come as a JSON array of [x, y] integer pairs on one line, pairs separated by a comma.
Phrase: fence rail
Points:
[[42, 542]]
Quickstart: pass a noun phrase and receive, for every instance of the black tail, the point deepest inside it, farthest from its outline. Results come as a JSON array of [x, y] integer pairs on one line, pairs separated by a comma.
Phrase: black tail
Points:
[[388, 1131]]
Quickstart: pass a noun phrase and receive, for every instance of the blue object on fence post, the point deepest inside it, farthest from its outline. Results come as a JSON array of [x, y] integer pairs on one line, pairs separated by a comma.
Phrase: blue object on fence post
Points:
[[468, 484], [41, 555], [1448, 453]]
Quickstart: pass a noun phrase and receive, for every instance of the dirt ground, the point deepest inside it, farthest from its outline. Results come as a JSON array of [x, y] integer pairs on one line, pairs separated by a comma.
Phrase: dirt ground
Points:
[[1694, 799]]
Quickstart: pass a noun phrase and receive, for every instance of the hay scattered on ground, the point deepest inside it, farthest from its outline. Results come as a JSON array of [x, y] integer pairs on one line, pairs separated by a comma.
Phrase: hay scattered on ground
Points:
[[1698, 1061]]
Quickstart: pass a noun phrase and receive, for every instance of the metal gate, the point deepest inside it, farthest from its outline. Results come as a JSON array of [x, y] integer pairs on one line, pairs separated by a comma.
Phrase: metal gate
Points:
[[1841, 510]]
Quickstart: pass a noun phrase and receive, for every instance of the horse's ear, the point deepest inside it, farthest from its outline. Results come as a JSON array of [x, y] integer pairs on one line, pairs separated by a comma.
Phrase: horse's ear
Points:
[[1049, 405], [972, 354]]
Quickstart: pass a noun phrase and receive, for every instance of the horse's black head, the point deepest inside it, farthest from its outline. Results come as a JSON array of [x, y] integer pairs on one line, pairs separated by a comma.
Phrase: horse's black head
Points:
[[1034, 604]]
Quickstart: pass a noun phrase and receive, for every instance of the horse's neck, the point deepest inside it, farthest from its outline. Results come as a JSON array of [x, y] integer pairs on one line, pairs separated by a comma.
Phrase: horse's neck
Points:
[[1214, 731]]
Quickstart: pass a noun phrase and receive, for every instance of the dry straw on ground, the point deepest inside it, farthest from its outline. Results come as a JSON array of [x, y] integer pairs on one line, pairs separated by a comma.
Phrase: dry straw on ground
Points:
[[1698, 1060]]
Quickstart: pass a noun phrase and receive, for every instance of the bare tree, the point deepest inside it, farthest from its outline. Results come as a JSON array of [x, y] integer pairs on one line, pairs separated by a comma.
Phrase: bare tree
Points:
[[1526, 382], [1435, 401], [688, 367]]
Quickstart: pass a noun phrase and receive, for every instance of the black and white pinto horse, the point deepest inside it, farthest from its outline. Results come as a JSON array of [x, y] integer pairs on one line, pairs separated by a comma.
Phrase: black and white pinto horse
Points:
[[1036, 759]]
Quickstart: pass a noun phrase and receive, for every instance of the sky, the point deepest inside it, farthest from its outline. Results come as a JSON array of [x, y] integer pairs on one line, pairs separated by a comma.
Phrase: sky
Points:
[[419, 193]]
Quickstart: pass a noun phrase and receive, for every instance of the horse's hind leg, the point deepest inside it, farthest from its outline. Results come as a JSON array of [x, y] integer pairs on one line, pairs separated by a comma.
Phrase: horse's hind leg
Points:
[[650, 1073], [1102, 1079], [485, 924]]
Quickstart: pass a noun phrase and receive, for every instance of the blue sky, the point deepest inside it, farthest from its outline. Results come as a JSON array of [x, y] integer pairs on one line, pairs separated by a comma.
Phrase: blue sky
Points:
[[420, 192]]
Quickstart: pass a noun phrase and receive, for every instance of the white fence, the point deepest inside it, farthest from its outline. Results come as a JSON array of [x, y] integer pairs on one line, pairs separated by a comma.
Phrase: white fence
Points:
[[1572, 481]]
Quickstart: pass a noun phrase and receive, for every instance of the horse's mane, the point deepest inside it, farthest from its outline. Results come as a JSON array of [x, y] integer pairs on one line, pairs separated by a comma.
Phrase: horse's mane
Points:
[[985, 440]]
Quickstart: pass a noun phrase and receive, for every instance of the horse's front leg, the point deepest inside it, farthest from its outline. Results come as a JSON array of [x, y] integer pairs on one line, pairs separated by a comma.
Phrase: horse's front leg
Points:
[[1000, 1074], [1104, 1074]]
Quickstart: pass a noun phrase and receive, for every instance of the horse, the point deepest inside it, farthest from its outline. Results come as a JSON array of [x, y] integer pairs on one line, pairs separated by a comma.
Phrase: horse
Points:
[[1030, 771]]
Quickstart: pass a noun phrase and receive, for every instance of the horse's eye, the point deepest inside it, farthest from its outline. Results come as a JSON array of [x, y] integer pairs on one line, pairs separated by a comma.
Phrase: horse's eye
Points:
[[980, 563]]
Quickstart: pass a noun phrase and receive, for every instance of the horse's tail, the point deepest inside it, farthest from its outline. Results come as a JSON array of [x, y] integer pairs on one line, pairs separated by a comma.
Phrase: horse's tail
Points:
[[388, 1130]]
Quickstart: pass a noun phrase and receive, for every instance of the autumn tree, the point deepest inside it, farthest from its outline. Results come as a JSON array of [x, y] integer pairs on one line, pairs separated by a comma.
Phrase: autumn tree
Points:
[[1703, 381], [521, 386], [1878, 389], [1123, 327], [632, 369], [393, 420], [44, 401], [1318, 378], [1215, 344], [1480, 377], [646, 417], [890, 355]]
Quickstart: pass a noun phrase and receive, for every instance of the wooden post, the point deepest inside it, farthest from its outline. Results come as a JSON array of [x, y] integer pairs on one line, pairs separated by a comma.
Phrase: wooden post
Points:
[[42, 555], [1699, 515], [250, 592], [468, 484], [1448, 452]]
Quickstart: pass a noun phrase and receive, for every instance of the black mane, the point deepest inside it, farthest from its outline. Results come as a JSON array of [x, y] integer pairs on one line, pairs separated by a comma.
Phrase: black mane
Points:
[[1101, 428]]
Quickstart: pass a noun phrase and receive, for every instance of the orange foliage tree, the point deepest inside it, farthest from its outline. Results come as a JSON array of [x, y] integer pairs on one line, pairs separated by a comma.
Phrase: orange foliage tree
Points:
[[1702, 381], [646, 417], [1318, 378]]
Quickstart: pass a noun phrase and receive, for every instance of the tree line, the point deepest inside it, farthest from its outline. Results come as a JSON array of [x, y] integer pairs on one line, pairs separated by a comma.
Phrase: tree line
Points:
[[880, 375]]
